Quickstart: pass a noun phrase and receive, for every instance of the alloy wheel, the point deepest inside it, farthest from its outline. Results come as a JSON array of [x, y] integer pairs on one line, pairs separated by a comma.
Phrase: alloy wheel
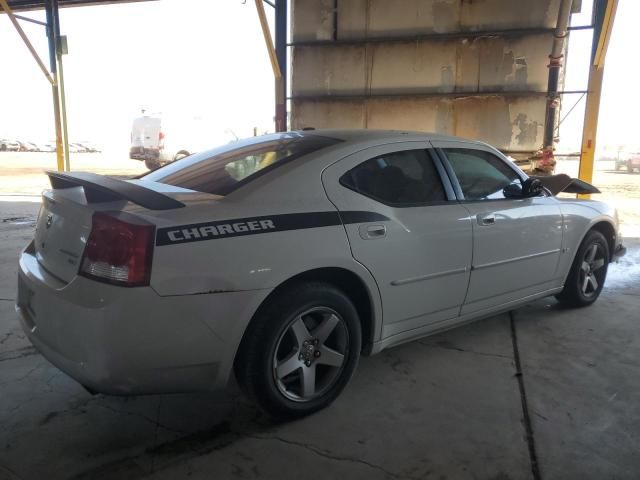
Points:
[[591, 270], [310, 354]]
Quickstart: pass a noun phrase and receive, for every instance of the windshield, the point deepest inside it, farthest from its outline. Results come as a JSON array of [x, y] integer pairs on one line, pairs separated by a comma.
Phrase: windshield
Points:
[[221, 171]]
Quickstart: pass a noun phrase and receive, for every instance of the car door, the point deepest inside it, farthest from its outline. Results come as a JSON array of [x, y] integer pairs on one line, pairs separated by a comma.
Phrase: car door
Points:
[[516, 242], [414, 240]]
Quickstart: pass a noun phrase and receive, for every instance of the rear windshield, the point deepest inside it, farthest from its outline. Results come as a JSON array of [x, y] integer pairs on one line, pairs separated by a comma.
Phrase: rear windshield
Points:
[[223, 170]]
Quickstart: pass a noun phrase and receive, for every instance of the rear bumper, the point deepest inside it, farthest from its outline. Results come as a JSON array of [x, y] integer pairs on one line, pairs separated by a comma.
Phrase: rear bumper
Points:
[[127, 341], [141, 153], [620, 251]]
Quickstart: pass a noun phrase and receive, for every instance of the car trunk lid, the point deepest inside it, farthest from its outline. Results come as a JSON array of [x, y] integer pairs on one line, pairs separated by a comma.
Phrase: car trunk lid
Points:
[[65, 220], [62, 229]]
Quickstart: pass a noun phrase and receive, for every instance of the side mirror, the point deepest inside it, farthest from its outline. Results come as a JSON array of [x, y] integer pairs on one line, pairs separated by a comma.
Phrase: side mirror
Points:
[[532, 187], [513, 190]]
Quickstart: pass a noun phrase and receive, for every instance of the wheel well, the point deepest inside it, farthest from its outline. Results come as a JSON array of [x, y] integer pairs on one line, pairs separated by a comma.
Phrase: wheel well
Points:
[[349, 283], [606, 229]]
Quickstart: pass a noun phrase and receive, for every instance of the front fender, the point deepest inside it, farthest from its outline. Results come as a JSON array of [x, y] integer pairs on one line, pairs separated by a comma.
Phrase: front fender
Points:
[[579, 217]]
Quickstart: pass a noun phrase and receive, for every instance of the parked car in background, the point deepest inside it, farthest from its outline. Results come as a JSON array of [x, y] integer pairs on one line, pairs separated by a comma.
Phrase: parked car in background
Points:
[[283, 258], [48, 147], [30, 147], [628, 161], [9, 145], [88, 147]]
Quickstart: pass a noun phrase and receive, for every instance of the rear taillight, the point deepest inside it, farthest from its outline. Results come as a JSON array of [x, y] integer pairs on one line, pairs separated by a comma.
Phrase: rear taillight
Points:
[[119, 250], [161, 140]]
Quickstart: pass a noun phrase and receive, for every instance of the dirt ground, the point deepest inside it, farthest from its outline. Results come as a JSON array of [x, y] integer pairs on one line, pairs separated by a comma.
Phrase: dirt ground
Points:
[[619, 188], [22, 173]]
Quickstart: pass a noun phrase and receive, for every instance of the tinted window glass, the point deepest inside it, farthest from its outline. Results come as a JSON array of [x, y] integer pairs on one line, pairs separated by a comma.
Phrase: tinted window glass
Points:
[[401, 178], [223, 170], [482, 175]]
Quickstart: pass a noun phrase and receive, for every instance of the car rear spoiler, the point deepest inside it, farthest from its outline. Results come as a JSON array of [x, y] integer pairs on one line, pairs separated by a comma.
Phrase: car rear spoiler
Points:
[[564, 183], [100, 188]]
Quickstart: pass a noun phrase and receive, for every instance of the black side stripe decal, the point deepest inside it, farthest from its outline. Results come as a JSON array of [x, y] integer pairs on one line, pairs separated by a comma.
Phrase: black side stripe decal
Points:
[[197, 232]]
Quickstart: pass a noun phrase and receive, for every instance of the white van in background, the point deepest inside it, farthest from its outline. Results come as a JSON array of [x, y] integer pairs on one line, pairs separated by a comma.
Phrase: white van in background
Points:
[[150, 143]]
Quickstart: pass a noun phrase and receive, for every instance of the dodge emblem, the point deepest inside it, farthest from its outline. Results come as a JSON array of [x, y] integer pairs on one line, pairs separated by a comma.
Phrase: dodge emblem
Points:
[[49, 220]]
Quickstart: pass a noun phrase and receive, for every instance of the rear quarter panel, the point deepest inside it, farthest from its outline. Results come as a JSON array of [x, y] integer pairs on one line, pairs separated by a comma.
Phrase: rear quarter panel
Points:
[[259, 260], [262, 260]]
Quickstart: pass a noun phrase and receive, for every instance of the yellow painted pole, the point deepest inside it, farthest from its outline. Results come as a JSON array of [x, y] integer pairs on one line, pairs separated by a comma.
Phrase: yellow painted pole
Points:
[[25, 39], [267, 39], [63, 113], [590, 129], [592, 110], [58, 127]]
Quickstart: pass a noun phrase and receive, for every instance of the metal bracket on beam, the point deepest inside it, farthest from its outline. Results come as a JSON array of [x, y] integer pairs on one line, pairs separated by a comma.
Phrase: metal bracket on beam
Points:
[[31, 20]]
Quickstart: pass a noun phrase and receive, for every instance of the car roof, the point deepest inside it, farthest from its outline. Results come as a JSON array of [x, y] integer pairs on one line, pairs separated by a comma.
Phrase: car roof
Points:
[[363, 135]]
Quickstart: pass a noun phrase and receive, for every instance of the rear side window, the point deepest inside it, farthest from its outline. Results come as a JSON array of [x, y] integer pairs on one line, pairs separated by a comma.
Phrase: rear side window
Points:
[[222, 171], [481, 175], [402, 179]]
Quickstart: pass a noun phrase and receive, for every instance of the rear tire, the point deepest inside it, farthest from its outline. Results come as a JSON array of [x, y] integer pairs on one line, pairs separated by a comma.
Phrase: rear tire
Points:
[[588, 272], [152, 164], [300, 350]]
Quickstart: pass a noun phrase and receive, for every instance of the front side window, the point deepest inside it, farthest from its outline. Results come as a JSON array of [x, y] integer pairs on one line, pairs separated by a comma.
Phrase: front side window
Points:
[[400, 179], [223, 170], [481, 175]]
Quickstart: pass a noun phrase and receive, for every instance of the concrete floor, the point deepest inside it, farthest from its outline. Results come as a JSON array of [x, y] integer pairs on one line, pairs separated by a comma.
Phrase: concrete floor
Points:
[[454, 406]]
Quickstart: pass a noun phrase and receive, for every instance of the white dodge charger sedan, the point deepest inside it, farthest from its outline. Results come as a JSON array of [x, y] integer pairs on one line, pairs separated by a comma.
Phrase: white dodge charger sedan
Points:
[[282, 258]]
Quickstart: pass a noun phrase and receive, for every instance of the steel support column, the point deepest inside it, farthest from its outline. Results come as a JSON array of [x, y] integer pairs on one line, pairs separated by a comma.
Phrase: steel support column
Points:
[[51, 9], [281, 53]]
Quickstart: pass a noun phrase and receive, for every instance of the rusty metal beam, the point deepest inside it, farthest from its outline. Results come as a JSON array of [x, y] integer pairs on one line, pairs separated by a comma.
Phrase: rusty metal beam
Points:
[[412, 94], [520, 32]]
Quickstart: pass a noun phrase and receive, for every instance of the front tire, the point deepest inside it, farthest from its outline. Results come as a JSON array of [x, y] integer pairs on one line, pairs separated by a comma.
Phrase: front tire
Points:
[[300, 350], [181, 154], [588, 272]]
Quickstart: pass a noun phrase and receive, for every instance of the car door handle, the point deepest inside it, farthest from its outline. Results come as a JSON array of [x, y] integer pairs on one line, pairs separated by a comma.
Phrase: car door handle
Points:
[[488, 219], [370, 232]]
